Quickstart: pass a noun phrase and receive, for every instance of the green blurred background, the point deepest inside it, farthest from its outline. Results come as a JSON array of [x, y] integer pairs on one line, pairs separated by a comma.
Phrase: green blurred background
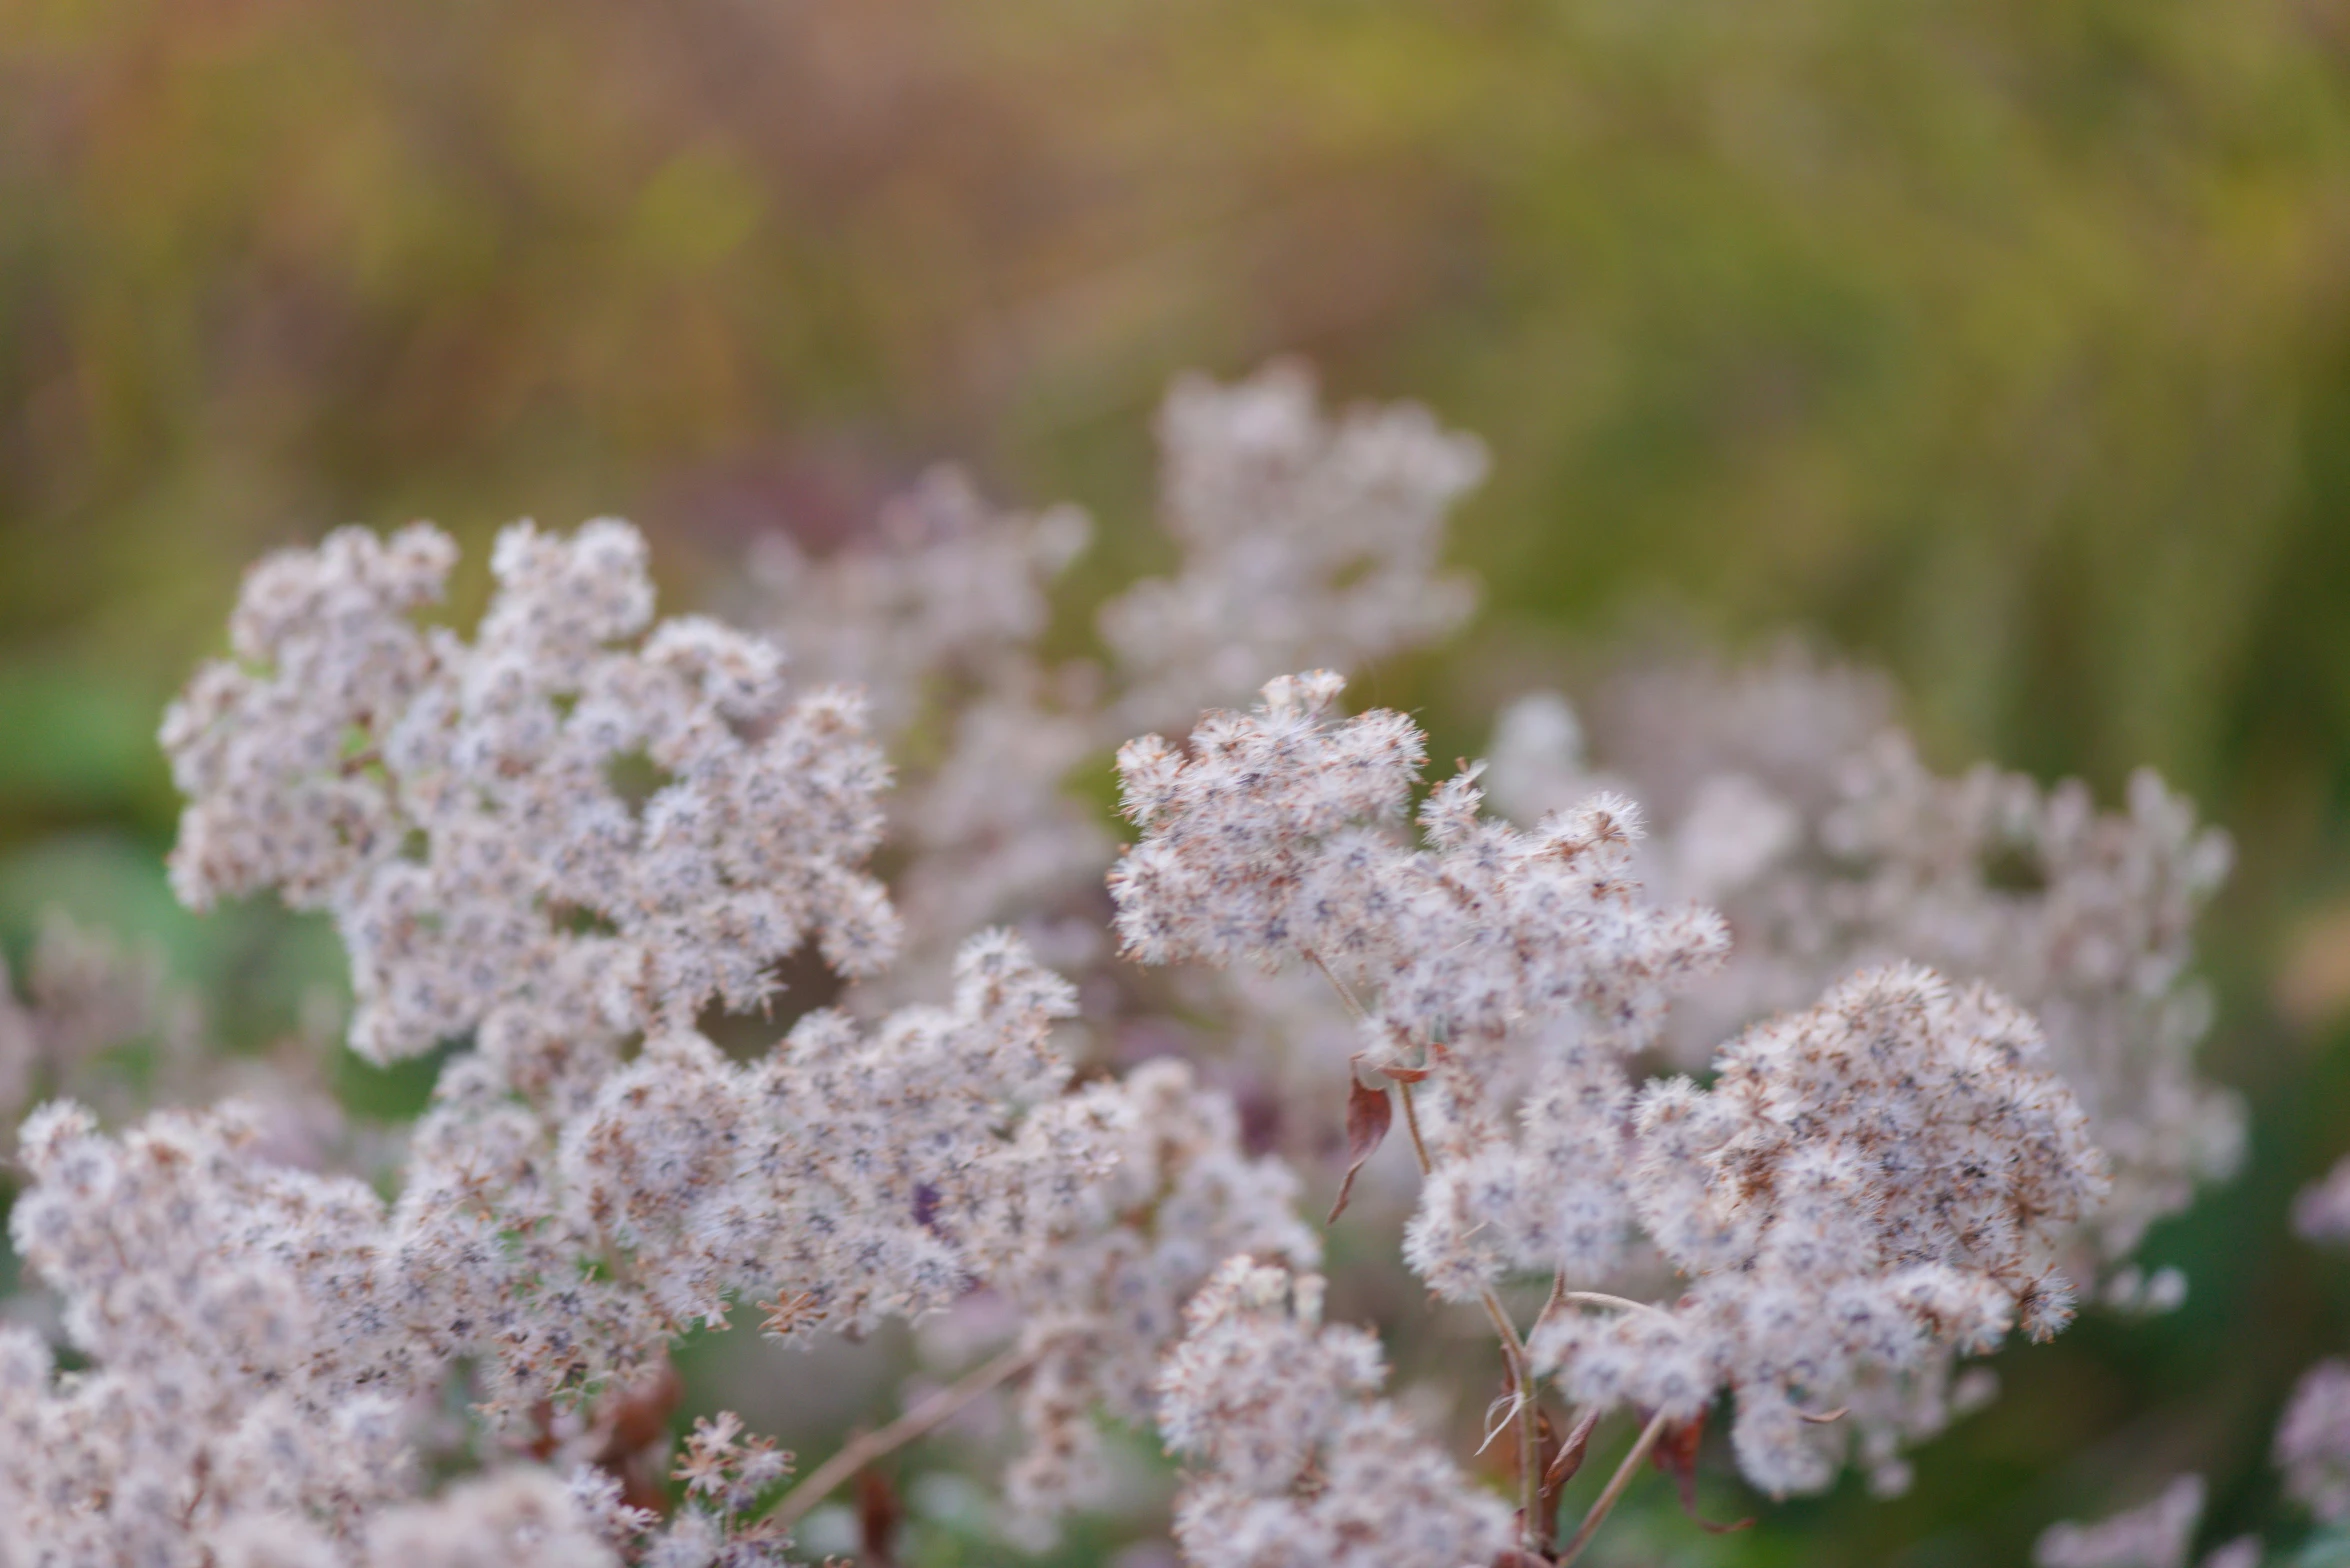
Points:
[[2005, 343]]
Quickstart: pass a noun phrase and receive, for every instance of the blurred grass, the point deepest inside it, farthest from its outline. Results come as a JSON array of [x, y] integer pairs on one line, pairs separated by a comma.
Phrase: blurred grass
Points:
[[2004, 341]]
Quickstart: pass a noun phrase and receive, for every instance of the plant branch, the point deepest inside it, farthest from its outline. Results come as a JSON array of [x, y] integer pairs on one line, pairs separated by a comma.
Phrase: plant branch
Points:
[[1533, 1530], [1513, 1348], [1411, 1121], [1593, 1298], [1513, 1351], [924, 1418], [1614, 1489], [1354, 1008]]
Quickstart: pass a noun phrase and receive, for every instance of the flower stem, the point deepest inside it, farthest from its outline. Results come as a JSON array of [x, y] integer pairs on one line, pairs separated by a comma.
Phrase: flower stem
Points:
[[1411, 1121], [1593, 1298], [1513, 1352], [1615, 1489], [1513, 1349], [925, 1417]]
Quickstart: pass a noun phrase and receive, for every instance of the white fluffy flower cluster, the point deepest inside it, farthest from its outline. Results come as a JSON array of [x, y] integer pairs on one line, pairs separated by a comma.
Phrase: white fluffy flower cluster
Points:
[[1781, 794], [2159, 1533], [263, 1338], [858, 1175], [876, 1173], [230, 1415], [719, 1521], [1274, 837], [570, 835], [2322, 1211], [2095, 941], [84, 999], [946, 592], [1512, 971], [1295, 1463], [1871, 1187], [1867, 1186], [1102, 1306], [1306, 540], [565, 1210], [215, 1389], [460, 807], [2313, 1442]]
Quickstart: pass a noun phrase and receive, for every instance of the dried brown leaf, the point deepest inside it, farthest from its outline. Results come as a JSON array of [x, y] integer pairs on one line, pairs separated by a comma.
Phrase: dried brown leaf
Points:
[[878, 1513], [1369, 1113], [1676, 1455]]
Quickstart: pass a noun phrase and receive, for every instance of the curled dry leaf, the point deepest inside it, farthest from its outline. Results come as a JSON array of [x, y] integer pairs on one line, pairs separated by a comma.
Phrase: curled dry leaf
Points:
[[1562, 1457], [878, 1514], [1369, 1113], [1568, 1457], [1676, 1454]]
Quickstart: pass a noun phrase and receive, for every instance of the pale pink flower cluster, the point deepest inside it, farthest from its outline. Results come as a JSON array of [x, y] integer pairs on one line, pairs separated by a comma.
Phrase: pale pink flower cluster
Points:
[[1306, 540], [1782, 794], [458, 807], [1275, 837], [217, 1387], [718, 1522], [83, 999], [569, 838], [1870, 1186], [2313, 1442], [2156, 1534], [2096, 944], [1102, 1306], [262, 1359], [234, 1413], [2322, 1211], [1517, 970], [1294, 1461], [859, 1174], [566, 1208], [1303, 538], [1866, 1187]]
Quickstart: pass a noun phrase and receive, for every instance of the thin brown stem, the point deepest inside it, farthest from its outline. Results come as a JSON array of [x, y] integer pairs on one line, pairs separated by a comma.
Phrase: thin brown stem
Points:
[[1411, 1120], [924, 1418], [1533, 1529], [1511, 1344], [1594, 1298], [1354, 1008], [1614, 1489], [1513, 1351], [1513, 1348]]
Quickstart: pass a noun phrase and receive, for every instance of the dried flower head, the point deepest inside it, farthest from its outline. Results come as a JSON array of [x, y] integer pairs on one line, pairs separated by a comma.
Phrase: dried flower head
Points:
[[1513, 972], [1781, 793], [459, 807], [1305, 540], [1295, 1463], [2156, 1534], [1866, 1187], [2313, 1441], [1103, 1303]]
